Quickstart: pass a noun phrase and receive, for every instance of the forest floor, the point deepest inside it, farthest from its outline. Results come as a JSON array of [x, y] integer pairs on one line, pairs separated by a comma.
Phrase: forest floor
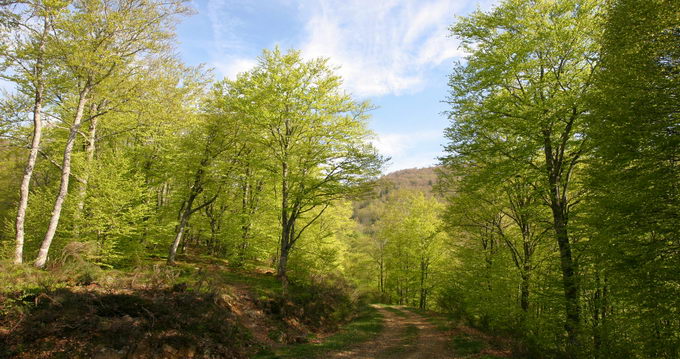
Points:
[[202, 308], [199, 308], [405, 335], [401, 333], [410, 334]]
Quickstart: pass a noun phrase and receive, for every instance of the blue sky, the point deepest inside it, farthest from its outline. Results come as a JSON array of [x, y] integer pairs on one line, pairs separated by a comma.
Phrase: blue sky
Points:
[[394, 52]]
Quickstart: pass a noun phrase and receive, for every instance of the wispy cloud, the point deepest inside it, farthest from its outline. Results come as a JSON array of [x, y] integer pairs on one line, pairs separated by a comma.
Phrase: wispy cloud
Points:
[[386, 47], [382, 47], [228, 34], [404, 148], [234, 66]]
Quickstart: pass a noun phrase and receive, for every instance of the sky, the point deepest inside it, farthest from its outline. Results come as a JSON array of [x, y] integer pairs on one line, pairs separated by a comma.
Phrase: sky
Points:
[[395, 53]]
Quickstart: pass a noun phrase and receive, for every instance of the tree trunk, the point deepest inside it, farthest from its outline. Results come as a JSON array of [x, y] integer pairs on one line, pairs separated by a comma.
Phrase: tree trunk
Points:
[[65, 175], [246, 221], [524, 289], [382, 275], [33, 154], [282, 267], [286, 229], [570, 285], [184, 218], [90, 148], [559, 208], [423, 277]]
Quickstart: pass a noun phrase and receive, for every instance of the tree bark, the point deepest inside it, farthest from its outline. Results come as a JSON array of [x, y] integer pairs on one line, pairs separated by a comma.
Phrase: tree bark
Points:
[[559, 208], [178, 237], [35, 148], [524, 289], [65, 175], [285, 229], [90, 148], [423, 277]]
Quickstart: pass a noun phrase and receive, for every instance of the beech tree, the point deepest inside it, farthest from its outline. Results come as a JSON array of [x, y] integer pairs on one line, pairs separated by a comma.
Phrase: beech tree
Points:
[[26, 58], [634, 202], [313, 134], [100, 41], [519, 102]]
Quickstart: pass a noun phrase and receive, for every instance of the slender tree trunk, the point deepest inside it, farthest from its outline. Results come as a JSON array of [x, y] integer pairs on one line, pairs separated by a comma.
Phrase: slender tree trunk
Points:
[[382, 275], [90, 148], [282, 267], [524, 289], [423, 276], [246, 221], [184, 219], [573, 310], [185, 215], [33, 154], [286, 229], [559, 208], [65, 175]]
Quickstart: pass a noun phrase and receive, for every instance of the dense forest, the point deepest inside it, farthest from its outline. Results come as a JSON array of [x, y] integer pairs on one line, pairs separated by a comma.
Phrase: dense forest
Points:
[[552, 220]]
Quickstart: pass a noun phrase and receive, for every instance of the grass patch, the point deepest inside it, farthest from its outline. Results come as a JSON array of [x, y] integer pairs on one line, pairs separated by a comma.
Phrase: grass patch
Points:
[[365, 327], [466, 345]]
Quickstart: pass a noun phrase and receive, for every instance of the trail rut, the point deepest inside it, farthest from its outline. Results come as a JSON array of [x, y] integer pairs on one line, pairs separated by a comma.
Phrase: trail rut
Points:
[[401, 340]]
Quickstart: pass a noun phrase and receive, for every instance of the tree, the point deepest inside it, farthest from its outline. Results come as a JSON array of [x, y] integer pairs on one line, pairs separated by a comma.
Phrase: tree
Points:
[[219, 143], [100, 41], [519, 103], [27, 58], [314, 136], [634, 203], [408, 240]]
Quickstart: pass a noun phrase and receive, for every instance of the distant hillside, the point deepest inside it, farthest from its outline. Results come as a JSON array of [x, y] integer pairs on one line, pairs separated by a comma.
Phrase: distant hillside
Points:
[[366, 211], [413, 179]]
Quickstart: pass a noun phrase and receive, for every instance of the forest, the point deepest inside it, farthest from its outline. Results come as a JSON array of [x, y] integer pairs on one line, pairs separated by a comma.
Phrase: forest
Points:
[[150, 209]]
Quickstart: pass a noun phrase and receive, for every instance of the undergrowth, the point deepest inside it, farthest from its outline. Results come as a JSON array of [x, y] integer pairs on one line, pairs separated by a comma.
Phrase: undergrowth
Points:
[[363, 328]]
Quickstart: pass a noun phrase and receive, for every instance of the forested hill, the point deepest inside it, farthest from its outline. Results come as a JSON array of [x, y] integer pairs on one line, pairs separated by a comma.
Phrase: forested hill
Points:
[[366, 211], [419, 179]]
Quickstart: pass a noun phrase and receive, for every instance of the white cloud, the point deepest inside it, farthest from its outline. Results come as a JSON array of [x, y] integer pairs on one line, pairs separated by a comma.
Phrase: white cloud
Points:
[[382, 47], [233, 67], [394, 144], [227, 36], [404, 149]]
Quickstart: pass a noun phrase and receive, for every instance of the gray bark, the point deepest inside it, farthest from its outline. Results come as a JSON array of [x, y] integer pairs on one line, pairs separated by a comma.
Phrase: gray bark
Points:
[[33, 154], [559, 207], [90, 148], [65, 175]]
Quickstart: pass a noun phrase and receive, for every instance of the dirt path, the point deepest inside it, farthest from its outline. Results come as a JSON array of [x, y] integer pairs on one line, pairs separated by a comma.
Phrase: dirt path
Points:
[[405, 335]]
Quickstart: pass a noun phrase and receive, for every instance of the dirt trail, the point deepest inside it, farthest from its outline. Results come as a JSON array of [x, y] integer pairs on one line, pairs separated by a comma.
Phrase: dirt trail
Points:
[[399, 339]]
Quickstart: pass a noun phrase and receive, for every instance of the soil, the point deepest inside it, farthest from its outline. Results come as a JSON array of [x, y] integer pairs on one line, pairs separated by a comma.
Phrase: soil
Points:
[[395, 342]]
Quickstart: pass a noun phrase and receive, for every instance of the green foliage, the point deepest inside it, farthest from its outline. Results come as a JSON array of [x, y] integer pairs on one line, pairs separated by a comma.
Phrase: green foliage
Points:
[[407, 246], [634, 200], [571, 139], [464, 345], [555, 221]]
